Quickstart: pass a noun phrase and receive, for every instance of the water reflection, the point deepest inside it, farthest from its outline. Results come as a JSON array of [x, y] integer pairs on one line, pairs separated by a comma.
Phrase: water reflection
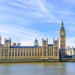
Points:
[[38, 69]]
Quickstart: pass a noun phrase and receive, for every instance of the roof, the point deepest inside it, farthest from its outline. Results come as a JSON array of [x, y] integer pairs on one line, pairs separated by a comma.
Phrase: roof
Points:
[[25, 47], [50, 44], [56, 41], [36, 40], [62, 26], [6, 40]]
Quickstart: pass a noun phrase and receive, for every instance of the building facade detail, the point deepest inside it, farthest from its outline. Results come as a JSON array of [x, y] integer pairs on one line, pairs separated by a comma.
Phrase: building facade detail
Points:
[[46, 51]]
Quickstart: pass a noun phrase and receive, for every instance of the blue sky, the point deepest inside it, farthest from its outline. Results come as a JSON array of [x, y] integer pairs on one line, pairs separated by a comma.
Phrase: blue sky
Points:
[[24, 20]]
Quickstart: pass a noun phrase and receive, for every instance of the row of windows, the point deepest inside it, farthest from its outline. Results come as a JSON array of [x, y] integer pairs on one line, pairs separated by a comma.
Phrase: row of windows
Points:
[[51, 51], [25, 52]]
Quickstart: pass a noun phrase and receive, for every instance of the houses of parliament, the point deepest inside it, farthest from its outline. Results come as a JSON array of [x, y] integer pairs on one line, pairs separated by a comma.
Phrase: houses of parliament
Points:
[[46, 51]]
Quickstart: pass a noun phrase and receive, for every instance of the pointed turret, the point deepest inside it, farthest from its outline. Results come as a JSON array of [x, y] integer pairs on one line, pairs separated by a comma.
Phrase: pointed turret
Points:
[[36, 42]]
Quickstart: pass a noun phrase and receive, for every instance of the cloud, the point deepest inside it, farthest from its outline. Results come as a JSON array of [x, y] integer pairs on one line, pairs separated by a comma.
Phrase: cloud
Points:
[[24, 20], [23, 35], [71, 42], [65, 12], [39, 9], [71, 28]]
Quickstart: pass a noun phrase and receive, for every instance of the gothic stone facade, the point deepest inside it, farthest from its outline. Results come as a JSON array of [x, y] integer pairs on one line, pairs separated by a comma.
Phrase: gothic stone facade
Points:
[[46, 51]]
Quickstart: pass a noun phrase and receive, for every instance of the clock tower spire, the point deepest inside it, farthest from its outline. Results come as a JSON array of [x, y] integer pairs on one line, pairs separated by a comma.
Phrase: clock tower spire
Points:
[[62, 40]]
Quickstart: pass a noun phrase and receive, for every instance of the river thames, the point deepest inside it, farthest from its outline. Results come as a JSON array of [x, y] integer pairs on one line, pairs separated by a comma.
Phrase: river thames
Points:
[[38, 69]]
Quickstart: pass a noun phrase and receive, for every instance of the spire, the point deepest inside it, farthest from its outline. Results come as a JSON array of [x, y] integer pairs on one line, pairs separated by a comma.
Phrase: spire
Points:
[[62, 26], [0, 40], [36, 42]]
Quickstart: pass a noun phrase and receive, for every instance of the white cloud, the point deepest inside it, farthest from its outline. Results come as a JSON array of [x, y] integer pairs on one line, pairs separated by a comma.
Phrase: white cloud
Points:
[[71, 28], [17, 16], [36, 9], [71, 42], [65, 12], [23, 35]]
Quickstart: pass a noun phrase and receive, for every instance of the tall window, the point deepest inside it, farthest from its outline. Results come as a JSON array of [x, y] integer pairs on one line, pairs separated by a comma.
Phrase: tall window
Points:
[[12, 52], [18, 52], [52, 50], [48, 51], [44, 50], [35, 52], [6, 52], [32, 52], [38, 52], [2, 52], [9, 52], [56, 51], [15, 52], [21, 51], [29, 52], [24, 51]]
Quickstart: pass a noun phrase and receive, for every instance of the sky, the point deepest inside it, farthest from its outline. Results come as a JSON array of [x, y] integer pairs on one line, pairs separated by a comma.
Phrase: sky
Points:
[[25, 20]]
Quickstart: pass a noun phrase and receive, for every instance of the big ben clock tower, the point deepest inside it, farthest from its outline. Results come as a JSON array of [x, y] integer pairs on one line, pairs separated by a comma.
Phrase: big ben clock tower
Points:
[[62, 41]]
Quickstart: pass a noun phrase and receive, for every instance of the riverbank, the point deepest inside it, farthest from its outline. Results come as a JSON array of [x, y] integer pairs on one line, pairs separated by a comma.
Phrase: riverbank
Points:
[[27, 60], [34, 60]]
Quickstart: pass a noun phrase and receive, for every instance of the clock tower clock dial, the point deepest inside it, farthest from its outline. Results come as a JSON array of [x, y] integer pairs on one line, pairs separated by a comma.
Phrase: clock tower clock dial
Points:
[[62, 33]]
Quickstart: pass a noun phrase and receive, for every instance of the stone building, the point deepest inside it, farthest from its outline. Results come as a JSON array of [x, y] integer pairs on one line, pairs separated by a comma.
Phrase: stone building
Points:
[[62, 41], [46, 51]]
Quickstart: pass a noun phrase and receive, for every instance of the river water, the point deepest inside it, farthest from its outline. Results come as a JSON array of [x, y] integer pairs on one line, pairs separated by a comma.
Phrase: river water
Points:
[[38, 69]]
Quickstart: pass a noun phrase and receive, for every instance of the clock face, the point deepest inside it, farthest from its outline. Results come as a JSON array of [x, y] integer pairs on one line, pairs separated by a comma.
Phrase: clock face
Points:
[[62, 33]]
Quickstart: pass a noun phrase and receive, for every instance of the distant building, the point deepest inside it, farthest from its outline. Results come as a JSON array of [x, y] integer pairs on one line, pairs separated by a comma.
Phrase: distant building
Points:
[[70, 51]]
